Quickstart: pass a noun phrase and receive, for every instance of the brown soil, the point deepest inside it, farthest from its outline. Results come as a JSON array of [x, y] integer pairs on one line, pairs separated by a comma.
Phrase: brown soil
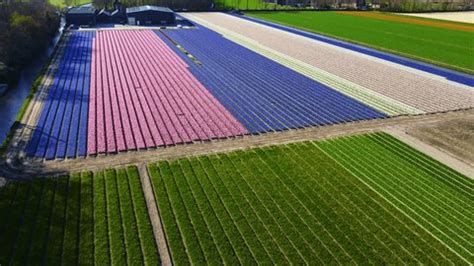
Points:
[[455, 137], [410, 20], [27, 168]]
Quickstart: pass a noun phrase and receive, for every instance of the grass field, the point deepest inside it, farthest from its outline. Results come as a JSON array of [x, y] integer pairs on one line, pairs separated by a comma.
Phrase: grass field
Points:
[[81, 219], [444, 47], [315, 202]]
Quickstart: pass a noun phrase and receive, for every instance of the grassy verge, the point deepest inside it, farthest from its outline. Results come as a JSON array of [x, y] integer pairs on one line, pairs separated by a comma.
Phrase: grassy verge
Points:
[[34, 87], [443, 47], [313, 202]]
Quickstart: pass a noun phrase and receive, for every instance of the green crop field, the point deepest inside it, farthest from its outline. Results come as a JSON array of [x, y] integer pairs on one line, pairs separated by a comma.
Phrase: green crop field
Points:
[[363, 199], [445, 47], [81, 219]]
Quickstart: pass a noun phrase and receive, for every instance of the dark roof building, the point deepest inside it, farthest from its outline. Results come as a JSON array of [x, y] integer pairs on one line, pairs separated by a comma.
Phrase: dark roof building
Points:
[[104, 16], [82, 15], [150, 15]]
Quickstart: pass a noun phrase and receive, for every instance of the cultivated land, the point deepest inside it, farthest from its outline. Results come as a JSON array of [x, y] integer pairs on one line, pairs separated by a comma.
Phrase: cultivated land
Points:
[[308, 202], [292, 166], [438, 45], [85, 219], [360, 199], [463, 17]]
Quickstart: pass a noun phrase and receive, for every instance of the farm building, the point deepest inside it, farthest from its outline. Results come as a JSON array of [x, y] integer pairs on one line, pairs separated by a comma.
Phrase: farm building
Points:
[[104, 16], [150, 15], [82, 15]]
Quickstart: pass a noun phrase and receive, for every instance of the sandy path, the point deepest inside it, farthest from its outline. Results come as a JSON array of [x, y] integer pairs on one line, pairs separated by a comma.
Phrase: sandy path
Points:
[[410, 20], [464, 17], [437, 154], [154, 214], [423, 91]]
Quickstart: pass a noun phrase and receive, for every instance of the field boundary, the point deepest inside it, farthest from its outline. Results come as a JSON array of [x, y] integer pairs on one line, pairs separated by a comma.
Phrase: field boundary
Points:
[[441, 156], [155, 218], [26, 169]]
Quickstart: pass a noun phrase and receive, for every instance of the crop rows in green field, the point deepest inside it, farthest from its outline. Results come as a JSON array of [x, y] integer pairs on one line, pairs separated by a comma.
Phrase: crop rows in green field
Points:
[[81, 219], [295, 203], [445, 47]]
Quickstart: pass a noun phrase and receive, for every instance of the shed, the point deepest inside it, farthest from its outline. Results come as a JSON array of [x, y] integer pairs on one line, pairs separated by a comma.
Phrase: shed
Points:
[[82, 15], [150, 15], [104, 17]]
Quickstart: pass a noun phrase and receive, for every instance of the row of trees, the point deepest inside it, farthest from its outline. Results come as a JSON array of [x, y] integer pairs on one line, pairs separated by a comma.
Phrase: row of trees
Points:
[[26, 28]]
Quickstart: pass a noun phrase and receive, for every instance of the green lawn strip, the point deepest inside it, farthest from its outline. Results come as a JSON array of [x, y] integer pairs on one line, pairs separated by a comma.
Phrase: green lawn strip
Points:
[[11, 225], [204, 236], [189, 234], [42, 220], [100, 219], [71, 227], [455, 204], [172, 230], [265, 208], [444, 47], [213, 223], [54, 246], [145, 231], [27, 223], [405, 186], [441, 173], [243, 239], [245, 213], [388, 242], [346, 159], [315, 205], [131, 237], [300, 223], [118, 255], [86, 225]]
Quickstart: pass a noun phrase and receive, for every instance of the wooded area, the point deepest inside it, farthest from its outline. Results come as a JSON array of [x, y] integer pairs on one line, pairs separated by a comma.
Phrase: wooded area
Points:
[[26, 28]]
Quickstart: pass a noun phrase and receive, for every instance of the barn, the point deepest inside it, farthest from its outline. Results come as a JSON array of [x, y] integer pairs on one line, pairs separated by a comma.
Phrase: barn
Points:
[[150, 15], [81, 16]]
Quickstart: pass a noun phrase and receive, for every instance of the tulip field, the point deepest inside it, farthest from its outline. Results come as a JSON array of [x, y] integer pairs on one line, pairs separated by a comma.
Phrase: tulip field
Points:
[[240, 141], [121, 90]]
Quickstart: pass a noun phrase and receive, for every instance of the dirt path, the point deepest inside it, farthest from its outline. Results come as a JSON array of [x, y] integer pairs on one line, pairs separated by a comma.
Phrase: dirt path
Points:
[[154, 216], [455, 137], [437, 154], [30, 168], [409, 20]]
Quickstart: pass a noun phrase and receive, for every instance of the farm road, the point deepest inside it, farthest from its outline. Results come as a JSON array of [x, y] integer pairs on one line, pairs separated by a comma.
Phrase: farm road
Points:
[[25, 169]]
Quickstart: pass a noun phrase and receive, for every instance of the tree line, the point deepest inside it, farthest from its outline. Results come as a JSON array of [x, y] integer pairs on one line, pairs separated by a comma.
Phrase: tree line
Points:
[[26, 28]]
